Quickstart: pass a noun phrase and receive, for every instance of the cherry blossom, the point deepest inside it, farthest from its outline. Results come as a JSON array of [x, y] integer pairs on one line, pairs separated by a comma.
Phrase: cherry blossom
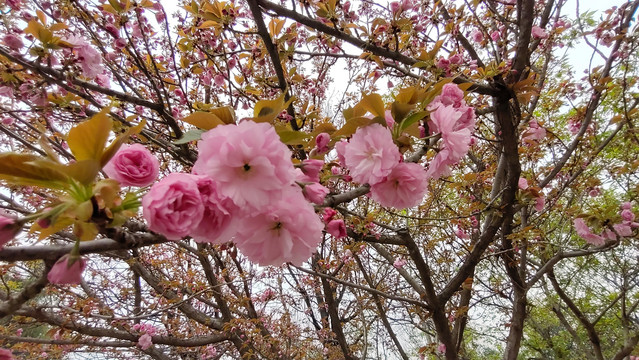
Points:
[[90, 59], [321, 142], [7, 229], [337, 228], [145, 341], [173, 207], [404, 187], [371, 154], [133, 165], [584, 232], [287, 230], [315, 192], [217, 225], [6, 354], [248, 162], [538, 33]]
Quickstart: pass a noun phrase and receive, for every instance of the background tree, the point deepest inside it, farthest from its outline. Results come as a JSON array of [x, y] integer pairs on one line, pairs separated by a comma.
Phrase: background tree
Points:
[[523, 247]]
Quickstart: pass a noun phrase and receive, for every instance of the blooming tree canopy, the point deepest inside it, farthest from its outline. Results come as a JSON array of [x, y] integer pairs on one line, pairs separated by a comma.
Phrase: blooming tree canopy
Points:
[[318, 179]]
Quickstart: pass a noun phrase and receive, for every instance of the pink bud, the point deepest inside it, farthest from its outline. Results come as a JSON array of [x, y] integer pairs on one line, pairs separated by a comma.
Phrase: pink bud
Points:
[[321, 142], [328, 214], [315, 193], [65, 273], [336, 228]]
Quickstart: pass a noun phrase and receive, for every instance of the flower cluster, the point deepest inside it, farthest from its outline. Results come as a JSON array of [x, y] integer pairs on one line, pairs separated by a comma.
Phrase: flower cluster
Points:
[[243, 188], [455, 122], [373, 158], [146, 340], [623, 228]]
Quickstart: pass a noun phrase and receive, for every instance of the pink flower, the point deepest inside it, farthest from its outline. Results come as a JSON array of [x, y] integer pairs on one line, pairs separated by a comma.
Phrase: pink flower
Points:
[[219, 80], [477, 36], [455, 134], [523, 183], [460, 233], [495, 35], [311, 168], [340, 148], [63, 272], [90, 59], [451, 95], [145, 341], [388, 117], [623, 229], [13, 42], [534, 132], [286, 230], [328, 214], [371, 154], [133, 165], [404, 187], [399, 262], [443, 63], [627, 215], [455, 59], [173, 207], [440, 165], [584, 232], [248, 162], [315, 192], [321, 142], [540, 202], [337, 228], [217, 224], [441, 348], [6, 354], [538, 33], [395, 6], [8, 229]]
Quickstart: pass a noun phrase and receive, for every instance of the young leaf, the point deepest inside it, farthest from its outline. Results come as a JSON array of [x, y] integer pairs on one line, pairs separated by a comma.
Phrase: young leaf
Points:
[[204, 120], [191, 135], [351, 126], [87, 139], [26, 169]]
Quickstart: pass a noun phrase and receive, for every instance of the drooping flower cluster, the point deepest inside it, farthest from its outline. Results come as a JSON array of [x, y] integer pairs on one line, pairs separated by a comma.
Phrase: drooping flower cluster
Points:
[[148, 331], [455, 121], [244, 188], [373, 158], [623, 228]]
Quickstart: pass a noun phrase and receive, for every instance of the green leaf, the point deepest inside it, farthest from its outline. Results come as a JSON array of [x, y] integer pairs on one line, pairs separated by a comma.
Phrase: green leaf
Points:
[[203, 120], [84, 171], [399, 110], [224, 113], [191, 135], [411, 119], [268, 110], [26, 169], [292, 137], [88, 139], [373, 103], [351, 126]]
